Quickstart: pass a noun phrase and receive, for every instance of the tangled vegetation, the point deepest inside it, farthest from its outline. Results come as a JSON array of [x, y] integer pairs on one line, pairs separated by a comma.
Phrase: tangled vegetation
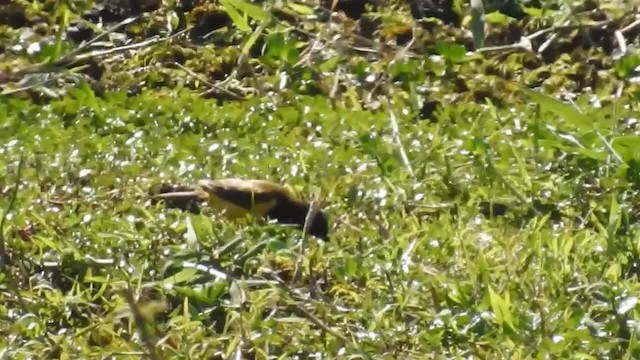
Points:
[[479, 164]]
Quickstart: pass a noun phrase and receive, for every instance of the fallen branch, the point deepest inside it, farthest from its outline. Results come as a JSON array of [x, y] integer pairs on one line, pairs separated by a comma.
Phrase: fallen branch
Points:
[[211, 85]]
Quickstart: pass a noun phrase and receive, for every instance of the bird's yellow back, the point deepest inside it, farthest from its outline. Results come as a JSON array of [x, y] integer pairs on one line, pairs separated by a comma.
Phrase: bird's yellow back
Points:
[[234, 198]]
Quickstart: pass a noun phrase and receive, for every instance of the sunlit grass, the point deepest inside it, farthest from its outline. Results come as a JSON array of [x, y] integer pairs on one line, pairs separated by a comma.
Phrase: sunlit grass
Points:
[[414, 267]]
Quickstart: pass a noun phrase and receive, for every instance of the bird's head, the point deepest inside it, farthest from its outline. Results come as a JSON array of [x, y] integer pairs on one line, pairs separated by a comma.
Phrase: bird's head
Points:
[[319, 226]]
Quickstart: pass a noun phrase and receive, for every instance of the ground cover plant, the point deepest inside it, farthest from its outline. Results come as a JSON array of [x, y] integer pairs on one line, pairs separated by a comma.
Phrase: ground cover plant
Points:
[[479, 163]]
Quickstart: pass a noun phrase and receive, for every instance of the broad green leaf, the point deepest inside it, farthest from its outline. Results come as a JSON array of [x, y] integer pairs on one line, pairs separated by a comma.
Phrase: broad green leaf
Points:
[[229, 247], [627, 65], [331, 63], [532, 11], [251, 10], [293, 55], [593, 154], [613, 272], [568, 112], [500, 308], [47, 243], [182, 276], [201, 226], [191, 235], [210, 295], [498, 18], [275, 45], [627, 140], [254, 251], [238, 19], [451, 51], [300, 8], [254, 37]]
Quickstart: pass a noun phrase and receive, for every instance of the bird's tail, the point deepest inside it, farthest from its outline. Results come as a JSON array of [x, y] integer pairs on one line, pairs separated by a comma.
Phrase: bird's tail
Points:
[[183, 197]]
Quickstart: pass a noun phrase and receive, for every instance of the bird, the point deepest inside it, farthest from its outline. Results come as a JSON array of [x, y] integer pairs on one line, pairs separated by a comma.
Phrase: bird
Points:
[[234, 198]]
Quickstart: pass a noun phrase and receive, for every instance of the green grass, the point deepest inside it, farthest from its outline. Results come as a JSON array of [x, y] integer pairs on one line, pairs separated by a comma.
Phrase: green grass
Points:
[[412, 270], [417, 265]]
